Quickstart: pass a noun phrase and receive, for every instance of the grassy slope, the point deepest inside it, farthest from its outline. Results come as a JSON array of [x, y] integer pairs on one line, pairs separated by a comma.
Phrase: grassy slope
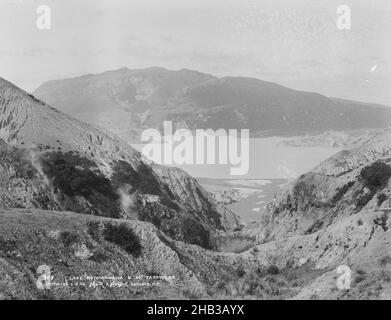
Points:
[[29, 239], [302, 267]]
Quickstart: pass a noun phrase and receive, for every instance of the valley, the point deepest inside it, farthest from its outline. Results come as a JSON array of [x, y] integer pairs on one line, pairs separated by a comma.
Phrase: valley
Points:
[[77, 200], [211, 151], [247, 198]]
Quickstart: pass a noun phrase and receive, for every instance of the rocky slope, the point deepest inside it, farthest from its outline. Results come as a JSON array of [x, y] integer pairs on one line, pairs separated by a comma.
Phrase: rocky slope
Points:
[[54, 161], [74, 248], [93, 257], [127, 101], [352, 181], [332, 139], [88, 261]]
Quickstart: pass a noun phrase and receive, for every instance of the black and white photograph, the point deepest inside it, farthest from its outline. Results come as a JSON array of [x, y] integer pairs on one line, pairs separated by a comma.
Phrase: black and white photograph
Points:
[[217, 151]]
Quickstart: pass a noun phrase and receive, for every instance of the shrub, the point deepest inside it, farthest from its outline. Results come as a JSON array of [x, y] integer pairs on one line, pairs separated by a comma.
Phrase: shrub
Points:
[[360, 277], [340, 192], [240, 272], [317, 225], [362, 200], [7, 245], [385, 276], [143, 179], [74, 175], [385, 261], [196, 233], [19, 159], [93, 230], [124, 237], [381, 221], [301, 190], [99, 256], [68, 238], [34, 98], [376, 175], [381, 197], [251, 285], [273, 270]]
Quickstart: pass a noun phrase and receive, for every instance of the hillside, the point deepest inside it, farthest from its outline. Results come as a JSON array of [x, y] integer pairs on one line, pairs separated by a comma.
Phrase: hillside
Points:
[[53, 161], [85, 204], [79, 251], [127, 101], [352, 181]]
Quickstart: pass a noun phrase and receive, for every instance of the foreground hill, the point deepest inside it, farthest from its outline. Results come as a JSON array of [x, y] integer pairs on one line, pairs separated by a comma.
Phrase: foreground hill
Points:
[[50, 160], [92, 257], [127, 101]]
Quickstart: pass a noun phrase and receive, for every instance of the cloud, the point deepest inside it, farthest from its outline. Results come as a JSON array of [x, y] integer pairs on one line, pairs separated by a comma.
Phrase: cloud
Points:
[[310, 63], [34, 52], [11, 2], [136, 50], [169, 39], [132, 38]]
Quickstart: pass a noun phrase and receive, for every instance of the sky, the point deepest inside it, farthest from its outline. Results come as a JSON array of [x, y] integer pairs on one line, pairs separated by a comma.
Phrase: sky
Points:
[[295, 43]]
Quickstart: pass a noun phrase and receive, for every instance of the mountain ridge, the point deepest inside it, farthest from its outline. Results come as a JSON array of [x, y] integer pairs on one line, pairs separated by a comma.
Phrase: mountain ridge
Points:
[[126, 102]]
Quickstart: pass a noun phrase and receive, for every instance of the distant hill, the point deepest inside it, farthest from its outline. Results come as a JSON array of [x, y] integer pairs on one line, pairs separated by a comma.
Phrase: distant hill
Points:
[[127, 101]]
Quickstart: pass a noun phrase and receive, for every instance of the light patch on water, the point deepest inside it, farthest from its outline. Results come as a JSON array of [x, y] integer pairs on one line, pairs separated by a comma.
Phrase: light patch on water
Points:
[[268, 160], [249, 183], [244, 193]]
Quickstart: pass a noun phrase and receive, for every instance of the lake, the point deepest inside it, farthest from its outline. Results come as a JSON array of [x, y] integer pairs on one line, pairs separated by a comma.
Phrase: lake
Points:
[[267, 160], [271, 167]]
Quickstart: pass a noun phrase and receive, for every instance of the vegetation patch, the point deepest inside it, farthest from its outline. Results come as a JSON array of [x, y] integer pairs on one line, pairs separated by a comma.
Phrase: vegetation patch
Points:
[[273, 269], [74, 175], [124, 237], [362, 200], [382, 221], [68, 238], [7, 246], [381, 197], [385, 261], [360, 276], [142, 180], [19, 159], [99, 256], [264, 283], [340, 192], [196, 233], [317, 225], [93, 229], [375, 175]]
